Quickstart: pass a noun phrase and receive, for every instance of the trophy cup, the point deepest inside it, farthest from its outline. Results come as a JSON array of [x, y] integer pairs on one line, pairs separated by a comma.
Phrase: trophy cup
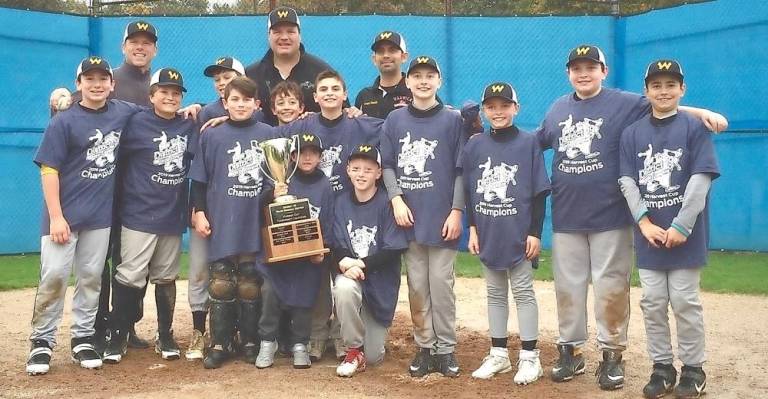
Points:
[[290, 232]]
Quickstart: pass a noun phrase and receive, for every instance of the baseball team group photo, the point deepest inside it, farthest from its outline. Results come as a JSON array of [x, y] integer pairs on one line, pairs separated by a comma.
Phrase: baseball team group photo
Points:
[[347, 206]]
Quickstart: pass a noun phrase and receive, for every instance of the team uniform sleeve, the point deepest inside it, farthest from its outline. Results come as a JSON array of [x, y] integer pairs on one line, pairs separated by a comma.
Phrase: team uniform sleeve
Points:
[[327, 217], [373, 129], [387, 147], [465, 164], [640, 106], [627, 154], [199, 170], [393, 236], [53, 149], [703, 158], [541, 189], [694, 201]]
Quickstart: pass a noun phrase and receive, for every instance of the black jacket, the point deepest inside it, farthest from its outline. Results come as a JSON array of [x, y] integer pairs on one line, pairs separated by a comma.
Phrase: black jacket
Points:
[[266, 76], [378, 103]]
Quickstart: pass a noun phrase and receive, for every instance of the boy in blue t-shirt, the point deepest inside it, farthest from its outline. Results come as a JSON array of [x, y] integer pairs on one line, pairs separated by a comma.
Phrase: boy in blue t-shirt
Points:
[[154, 163], [226, 190], [367, 259], [506, 188], [420, 149], [77, 160], [668, 163], [592, 228], [221, 72], [291, 287]]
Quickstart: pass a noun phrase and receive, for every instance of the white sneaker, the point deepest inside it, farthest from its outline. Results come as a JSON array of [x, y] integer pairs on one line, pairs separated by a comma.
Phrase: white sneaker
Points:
[[528, 367], [496, 362], [266, 354]]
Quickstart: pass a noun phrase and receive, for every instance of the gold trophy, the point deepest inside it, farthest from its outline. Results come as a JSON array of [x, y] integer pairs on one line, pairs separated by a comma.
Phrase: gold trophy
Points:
[[290, 232]]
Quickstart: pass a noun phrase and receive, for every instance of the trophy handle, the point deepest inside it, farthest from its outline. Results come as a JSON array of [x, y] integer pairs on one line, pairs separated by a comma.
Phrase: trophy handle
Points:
[[264, 171], [297, 142]]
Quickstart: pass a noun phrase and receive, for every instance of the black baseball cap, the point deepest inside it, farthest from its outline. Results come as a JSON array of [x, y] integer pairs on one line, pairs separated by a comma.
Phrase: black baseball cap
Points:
[[140, 27], [230, 63], [367, 151], [283, 15], [664, 67], [310, 140], [391, 37], [501, 90], [168, 77], [586, 52], [93, 63], [424, 60]]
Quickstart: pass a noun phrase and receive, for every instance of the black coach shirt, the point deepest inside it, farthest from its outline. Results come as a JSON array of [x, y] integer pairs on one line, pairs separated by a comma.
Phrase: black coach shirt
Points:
[[304, 73], [378, 102]]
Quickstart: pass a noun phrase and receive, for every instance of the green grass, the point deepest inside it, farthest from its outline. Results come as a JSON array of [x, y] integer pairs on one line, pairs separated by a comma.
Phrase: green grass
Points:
[[727, 272]]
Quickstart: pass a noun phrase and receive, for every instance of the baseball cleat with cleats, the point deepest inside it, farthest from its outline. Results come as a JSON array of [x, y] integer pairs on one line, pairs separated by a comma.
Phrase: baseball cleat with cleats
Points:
[[39, 359], [528, 367], [610, 372], [196, 346], [692, 383], [447, 365], [166, 346], [662, 381], [496, 362], [568, 364], [116, 349], [215, 356], [422, 364], [353, 363], [84, 354]]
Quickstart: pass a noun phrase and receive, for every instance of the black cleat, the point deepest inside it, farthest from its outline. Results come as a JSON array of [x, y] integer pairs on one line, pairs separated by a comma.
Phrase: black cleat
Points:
[[84, 354], [39, 357], [447, 365], [692, 383], [422, 364], [136, 342], [610, 372], [662, 381], [214, 358], [166, 346], [568, 365], [116, 349]]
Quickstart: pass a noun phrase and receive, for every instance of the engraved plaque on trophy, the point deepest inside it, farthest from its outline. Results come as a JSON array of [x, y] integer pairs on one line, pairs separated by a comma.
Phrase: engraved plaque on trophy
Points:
[[290, 232]]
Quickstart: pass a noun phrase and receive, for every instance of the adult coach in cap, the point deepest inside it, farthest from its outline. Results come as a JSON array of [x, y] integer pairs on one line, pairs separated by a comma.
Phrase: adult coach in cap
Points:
[[286, 59], [388, 91]]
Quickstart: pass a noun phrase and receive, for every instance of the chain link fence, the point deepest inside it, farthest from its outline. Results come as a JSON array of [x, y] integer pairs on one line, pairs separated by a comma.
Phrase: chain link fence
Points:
[[714, 41]]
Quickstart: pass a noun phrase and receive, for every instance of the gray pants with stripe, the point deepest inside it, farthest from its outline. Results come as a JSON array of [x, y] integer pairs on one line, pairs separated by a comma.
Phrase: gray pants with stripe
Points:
[[679, 288], [198, 273], [498, 283], [358, 327], [430, 294], [605, 258], [85, 253]]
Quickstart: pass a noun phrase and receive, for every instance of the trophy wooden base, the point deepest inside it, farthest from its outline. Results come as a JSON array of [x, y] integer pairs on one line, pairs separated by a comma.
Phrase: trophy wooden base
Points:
[[292, 240]]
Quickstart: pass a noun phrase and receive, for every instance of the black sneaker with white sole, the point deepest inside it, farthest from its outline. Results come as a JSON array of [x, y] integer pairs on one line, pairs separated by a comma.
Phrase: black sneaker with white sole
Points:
[[84, 353], [692, 383], [447, 365], [663, 379], [422, 364], [610, 372], [166, 346], [568, 365], [116, 348], [39, 359]]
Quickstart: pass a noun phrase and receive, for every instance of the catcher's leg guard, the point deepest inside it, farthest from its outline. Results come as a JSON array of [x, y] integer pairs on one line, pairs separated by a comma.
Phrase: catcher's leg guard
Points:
[[249, 296], [222, 311]]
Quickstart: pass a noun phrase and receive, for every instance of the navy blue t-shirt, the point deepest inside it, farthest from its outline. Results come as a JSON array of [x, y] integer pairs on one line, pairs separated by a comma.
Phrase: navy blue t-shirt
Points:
[[228, 163], [215, 110], [297, 281], [82, 144], [155, 161], [363, 229], [423, 149], [503, 173], [661, 158], [339, 137], [585, 136]]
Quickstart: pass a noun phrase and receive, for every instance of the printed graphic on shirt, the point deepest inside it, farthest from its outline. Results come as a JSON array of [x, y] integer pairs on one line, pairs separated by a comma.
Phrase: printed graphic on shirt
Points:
[[413, 158], [245, 166], [362, 238], [331, 156], [314, 211], [576, 142], [102, 153], [170, 155], [401, 101], [493, 184], [657, 173]]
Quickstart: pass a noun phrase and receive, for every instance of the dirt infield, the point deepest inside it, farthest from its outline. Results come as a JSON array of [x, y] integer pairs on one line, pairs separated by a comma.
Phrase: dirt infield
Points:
[[737, 344]]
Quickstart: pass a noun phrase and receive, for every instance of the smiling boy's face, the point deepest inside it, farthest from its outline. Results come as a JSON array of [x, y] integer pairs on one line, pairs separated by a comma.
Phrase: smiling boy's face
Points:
[[664, 92], [363, 173]]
